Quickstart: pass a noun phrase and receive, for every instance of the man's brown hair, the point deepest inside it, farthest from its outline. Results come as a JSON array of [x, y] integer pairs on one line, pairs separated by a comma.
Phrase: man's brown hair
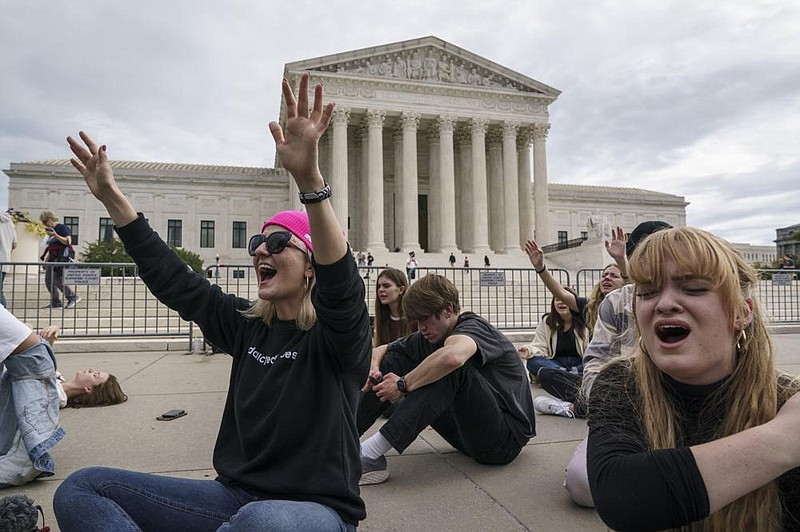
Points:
[[430, 296]]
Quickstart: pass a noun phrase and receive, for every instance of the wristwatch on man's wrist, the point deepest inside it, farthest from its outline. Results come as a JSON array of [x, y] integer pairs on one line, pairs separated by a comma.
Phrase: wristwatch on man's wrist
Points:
[[401, 385]]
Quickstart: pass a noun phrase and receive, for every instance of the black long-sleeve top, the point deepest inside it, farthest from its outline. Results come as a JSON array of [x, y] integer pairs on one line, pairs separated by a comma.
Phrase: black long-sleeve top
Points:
[[635, 488], [288, 429]]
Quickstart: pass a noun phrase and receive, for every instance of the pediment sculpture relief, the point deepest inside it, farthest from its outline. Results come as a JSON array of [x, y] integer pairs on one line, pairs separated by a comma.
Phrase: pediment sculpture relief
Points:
[[425, 65]]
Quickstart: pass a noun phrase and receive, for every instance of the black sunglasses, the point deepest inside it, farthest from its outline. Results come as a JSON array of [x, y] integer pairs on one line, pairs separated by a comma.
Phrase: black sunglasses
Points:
[[276, 242]]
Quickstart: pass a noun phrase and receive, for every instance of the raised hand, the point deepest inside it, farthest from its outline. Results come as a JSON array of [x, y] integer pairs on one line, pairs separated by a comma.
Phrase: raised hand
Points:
[[92, 162], [535, 254], [297, 145], [616, 248]]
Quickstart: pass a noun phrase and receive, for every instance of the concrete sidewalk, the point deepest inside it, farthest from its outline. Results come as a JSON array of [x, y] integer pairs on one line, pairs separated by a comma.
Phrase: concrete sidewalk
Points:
[[431, 487]]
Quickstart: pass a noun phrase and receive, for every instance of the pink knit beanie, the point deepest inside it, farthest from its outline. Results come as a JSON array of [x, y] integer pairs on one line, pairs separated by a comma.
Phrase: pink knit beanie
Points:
[[295, 222]]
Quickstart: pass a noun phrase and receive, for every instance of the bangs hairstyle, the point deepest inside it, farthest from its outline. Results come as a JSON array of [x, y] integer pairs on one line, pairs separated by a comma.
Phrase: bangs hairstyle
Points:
[[429, 296], [306, 314], [751, 396]]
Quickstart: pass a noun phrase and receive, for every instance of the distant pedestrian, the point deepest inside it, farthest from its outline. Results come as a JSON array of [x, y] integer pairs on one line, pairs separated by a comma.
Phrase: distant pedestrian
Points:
[[59, 249], [466, 262], [370, 260], [8, 241], [452, 260], [411, 266]]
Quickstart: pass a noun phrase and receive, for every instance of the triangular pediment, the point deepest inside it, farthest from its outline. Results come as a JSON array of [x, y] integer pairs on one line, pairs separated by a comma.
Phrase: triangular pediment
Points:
[[425, 60]]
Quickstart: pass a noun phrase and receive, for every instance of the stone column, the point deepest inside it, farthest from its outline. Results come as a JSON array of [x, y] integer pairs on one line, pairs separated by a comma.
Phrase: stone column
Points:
[[410, 218], [374, 122], [480, 205], [399, 204], [494, 138], [447, 187], [362, 219], [338, 165], [540, 193], [510, 187], [524, 137], [466, 201], [434, 190]]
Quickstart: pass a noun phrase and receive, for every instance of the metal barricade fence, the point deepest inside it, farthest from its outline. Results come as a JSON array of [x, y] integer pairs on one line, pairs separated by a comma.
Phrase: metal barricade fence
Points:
[[510, 298], [778, 293], [114, 302]]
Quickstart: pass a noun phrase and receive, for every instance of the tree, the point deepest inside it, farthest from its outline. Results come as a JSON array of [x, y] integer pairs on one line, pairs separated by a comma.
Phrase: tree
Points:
[[105, 251], [113, 251]]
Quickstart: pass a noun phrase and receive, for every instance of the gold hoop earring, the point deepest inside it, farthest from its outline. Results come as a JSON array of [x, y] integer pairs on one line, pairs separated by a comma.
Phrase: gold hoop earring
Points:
[[307, 283], [742, 339]]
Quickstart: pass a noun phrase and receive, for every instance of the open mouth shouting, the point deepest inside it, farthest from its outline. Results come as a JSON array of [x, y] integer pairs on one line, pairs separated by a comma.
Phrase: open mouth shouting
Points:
[[671, 333], [265, 272]]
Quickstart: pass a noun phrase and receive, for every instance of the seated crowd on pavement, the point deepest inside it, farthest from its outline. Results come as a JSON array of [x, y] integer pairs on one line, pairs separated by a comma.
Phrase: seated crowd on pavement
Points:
[[668, 358]]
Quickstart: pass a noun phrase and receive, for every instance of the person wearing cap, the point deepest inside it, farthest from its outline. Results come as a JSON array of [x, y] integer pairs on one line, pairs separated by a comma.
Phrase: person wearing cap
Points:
[[287, 451], [614, 335]]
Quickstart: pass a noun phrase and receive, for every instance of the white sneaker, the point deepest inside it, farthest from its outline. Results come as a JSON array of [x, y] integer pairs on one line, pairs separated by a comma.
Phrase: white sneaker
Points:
[[551, 406]]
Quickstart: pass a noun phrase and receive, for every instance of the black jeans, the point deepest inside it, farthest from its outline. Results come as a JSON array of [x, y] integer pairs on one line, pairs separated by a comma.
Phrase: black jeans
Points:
[[460, 406], [54, 281], [563, 385]]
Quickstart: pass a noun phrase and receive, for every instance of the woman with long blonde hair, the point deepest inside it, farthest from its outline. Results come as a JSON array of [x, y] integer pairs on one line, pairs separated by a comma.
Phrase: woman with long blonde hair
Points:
[[697, 429], [287, 453]]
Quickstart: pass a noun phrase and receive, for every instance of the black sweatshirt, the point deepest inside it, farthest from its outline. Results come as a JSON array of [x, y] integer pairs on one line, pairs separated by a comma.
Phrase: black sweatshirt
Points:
[[288, 430], [635, 488]]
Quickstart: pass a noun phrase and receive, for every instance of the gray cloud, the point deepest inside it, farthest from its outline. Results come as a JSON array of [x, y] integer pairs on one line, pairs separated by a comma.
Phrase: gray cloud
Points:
[[693, 99]]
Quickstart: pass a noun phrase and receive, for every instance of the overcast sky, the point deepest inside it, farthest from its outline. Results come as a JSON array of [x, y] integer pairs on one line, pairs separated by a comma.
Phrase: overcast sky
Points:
[[695, 98]]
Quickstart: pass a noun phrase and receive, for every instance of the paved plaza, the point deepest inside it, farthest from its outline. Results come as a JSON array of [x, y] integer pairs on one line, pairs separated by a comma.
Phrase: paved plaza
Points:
[[431, 486]]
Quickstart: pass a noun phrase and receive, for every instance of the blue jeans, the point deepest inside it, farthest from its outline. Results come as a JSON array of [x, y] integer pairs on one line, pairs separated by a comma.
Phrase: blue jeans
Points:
[[534, 364], [2, 295], [101, 498]]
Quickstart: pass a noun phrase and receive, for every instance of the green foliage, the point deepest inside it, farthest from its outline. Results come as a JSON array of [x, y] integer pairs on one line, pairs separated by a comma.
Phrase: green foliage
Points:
[[191, 258], [107, 251], [114, 251]]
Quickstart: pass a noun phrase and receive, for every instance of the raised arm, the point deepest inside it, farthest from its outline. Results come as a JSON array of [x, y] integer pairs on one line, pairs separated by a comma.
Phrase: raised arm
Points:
[[92, 162], [616, 248], [298, 149], [536, 256]]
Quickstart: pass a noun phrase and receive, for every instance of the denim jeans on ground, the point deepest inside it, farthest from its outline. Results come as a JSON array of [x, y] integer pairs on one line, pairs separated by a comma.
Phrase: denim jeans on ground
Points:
[[28, 414], [100, 498], [460, 406], [534, 364]]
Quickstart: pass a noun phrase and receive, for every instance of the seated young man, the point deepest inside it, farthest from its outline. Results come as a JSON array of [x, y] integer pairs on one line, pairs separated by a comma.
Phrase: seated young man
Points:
[[457, 373]]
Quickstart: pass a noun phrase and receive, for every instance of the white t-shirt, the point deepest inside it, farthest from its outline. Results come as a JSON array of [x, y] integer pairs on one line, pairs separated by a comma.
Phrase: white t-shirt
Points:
[[8, 237], [12, 333]]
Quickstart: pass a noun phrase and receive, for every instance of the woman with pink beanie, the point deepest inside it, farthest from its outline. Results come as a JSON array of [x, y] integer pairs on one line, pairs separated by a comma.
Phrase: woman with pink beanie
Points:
[[287, 452]]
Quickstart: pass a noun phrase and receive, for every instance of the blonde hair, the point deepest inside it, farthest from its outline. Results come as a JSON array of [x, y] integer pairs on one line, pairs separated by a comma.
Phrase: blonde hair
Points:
[[595, 298], [47, 215], [750, 397], [266, 311]]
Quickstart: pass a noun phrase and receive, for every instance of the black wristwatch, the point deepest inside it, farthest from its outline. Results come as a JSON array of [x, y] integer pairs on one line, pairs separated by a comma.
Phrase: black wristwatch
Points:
[[317, 196], [401, 385]]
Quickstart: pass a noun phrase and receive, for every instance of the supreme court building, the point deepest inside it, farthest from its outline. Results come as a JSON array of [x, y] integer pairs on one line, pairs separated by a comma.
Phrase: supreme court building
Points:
[[431, 148]]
